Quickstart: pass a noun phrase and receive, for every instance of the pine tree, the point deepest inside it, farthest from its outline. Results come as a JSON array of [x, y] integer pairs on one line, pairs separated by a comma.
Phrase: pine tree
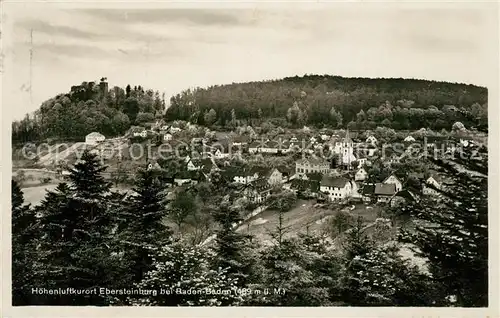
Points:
[[232, 247], [24, 240], [77, 250], [452, 232], [145, 232]]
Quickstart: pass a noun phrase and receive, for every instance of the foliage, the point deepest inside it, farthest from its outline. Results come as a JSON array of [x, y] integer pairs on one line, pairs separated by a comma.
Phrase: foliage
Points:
[[185, 273], [334, 101], [84, 109], [452, 232], [24, 235]]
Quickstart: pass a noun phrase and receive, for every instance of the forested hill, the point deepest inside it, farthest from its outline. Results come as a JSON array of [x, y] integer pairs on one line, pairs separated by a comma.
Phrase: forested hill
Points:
[[335, 101], [88, 107]]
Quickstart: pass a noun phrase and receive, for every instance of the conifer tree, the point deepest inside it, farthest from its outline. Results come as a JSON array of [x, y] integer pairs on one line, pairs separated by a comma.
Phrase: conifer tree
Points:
[[232, 247], [24, 240], [145, 233], [452, 231], [77, 250]]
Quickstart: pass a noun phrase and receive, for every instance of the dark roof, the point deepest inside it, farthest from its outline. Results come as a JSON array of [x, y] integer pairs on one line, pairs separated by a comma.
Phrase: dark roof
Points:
[[259, 185], [406, 194], [368, 189], [336, 182], [385, 189]]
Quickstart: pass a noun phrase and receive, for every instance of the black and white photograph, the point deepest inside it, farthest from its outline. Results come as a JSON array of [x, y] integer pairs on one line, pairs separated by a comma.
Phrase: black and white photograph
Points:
[[328, 155]]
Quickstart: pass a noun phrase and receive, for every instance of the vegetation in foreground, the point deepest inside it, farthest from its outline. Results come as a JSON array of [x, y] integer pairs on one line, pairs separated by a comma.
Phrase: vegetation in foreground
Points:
[[83, 235]]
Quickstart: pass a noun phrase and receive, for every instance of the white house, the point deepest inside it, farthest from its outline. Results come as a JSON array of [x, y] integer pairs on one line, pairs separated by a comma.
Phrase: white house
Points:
[[275, 177], [167, 137], [361, 175], [392, 179], [221, 153], [433, 181], [140, 133], [371, 140], [409, 139], [325, 137], [174, 130], [94, 138], [336, 188]]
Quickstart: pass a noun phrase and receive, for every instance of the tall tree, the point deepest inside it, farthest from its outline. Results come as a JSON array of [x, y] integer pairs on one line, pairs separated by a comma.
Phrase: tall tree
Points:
[[453, 231], [76, 250], [24, 240], [144, 233], [232, 247]]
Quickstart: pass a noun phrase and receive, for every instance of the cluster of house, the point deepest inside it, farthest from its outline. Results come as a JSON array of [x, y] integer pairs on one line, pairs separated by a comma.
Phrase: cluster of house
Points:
[[315, 176], [166, 132]]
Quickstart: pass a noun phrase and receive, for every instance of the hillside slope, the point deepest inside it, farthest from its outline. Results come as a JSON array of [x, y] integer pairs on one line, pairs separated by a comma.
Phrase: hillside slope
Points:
[[335, 101]]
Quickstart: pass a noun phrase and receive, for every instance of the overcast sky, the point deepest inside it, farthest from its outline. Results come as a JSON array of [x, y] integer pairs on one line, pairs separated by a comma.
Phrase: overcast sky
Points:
[[174, 49]]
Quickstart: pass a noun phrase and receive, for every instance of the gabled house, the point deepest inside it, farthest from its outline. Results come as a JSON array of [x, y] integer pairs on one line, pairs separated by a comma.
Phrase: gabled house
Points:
[[167, 137], [311, 165], [432, 183], [274, 177], [257, 191], [371, 140], [392, 179], [403, 197], [336, 188], [409, 138], [361, 175], [384, 192], [94, 138]]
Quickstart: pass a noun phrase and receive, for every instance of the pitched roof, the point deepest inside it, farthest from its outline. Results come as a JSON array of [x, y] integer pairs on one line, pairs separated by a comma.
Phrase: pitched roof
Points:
[[368, 189], [391, 176], [406, 194], [336, 182], [259, 185], [95, 134], [385, 189], [313, 161]]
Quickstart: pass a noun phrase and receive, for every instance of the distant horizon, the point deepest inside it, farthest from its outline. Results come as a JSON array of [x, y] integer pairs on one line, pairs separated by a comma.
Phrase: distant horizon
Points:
[[167, 97], [170, 50]]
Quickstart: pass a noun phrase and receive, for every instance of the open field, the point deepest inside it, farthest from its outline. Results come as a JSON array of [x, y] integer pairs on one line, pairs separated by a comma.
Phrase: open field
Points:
[[304, 217]]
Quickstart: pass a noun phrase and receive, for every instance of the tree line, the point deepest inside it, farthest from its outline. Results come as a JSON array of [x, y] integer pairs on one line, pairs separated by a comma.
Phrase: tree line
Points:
[[335, 102], [87, 108], [83, 235]]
